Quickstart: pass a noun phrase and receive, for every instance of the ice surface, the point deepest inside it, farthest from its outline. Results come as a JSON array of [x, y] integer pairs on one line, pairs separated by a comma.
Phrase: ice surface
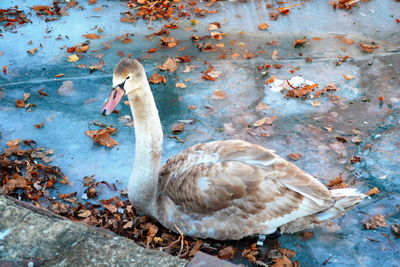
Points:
[[299, 127]]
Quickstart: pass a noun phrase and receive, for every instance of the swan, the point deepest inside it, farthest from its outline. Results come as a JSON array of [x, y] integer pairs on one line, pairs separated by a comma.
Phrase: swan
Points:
[[223, 190]]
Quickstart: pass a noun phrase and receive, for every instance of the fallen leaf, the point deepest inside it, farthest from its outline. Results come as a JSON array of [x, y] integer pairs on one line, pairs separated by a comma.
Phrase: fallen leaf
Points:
[[92, 36], [375, 222], [345, 40], [168, 42], [180, 85], [85, 214], [152, 50], [41, 92], [32, 51], [64, 180], [265, 120], [103, 137], [287, 252], [227, 253], [39, 125], [306, 235], [283, 262], [19, 103], [171, 65], [335, 181], [369, 48], [73, 58], [348, 77], [218, 95], [125, 38], [214, 26], [373, 191], [299, 43], [396, 229], [235, 55], [275, 55], [178, 128], [157, 78], [295, 156], [216, 35], [196, 247], [111, 208], [263, 26]]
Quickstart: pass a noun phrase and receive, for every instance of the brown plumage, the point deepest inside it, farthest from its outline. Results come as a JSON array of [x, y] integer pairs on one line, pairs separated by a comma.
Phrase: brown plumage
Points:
[[222, 190]]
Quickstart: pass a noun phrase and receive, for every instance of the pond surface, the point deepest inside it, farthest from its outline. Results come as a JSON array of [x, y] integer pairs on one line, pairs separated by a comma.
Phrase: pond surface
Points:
[[309, 127]]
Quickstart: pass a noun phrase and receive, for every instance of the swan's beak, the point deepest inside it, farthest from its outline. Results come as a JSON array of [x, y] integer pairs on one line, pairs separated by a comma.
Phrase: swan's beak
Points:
[[112, 102]]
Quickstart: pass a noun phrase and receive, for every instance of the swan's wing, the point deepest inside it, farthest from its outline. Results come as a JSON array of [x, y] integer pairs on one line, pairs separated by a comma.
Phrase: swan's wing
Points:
[[236, 177]]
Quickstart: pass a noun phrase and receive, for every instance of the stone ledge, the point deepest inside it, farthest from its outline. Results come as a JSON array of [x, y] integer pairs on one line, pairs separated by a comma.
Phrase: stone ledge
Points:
[[30, 234]]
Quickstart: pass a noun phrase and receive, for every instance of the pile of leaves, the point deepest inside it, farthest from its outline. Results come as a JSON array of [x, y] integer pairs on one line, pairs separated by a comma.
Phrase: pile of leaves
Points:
[[26, 175], [12, 16], [164, 9]]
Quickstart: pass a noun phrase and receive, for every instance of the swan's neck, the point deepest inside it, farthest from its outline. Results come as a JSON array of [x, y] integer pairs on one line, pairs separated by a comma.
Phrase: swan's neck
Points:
[[143, 182]]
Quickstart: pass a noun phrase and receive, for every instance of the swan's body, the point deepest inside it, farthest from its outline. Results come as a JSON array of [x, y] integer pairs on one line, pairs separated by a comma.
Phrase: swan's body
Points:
[[222, 190]]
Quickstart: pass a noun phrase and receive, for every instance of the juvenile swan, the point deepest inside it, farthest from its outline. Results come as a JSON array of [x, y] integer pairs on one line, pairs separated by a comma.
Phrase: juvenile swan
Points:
[[221, 190]]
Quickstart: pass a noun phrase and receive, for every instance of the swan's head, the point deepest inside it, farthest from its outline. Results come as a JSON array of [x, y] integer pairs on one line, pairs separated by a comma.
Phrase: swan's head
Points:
[[127, 78]]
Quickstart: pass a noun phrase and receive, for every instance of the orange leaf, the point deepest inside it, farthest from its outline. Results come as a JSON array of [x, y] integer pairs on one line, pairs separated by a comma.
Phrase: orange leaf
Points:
[[92, 36], [263, 26]]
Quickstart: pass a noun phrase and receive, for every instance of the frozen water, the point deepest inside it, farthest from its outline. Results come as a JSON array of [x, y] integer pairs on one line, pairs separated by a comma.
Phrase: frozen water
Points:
[[299, 126]]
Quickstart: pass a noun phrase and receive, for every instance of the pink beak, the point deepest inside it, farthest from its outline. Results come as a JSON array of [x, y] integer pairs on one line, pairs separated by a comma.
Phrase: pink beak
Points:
[[112, 101]]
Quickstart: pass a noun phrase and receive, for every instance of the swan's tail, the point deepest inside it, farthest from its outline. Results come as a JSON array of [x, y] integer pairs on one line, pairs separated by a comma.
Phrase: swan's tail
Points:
[[345, 198]]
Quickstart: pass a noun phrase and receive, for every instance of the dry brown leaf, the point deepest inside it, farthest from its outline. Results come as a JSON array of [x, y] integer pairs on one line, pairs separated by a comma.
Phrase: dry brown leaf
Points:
[[177, 128], [287, 252], [39, 125], [111, 208], [170, 64], [168, 42], [196, 247], [284, 262], [373, 191], [218, 95], [180, 85], [64, 180], [85, 214], [125, 38], [375, 222], [216, 35], [19, 103], [265, 120], [369, 48], [348, 77], [299, 43], [214, 26], [157, 78], [295, 156], [14, 142], [92, 36], [345, 40], [103, 136], [263, 26], [306, 235], [227, 253], [32, 51]]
